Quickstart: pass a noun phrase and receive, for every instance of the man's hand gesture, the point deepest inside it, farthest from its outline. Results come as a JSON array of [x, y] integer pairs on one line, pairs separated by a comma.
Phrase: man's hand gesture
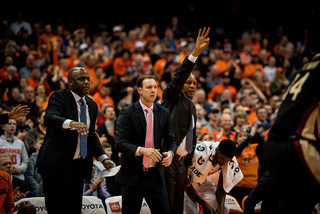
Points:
[[18, 111], [202, 41]]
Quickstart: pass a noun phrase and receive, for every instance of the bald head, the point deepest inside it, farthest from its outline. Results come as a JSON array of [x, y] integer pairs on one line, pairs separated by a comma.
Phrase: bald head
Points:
[[79, 81]]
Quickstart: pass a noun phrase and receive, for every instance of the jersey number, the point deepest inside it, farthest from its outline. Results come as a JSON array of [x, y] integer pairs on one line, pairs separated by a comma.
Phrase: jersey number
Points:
[[296, 86], [14, 159]]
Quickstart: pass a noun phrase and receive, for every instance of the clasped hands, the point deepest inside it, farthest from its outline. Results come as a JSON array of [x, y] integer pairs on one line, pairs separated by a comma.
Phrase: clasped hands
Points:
[[156, 156]]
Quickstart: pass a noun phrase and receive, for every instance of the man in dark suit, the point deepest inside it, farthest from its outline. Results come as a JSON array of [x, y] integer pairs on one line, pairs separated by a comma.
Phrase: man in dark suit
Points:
[[137, 178], [177, 97], [65, 158]]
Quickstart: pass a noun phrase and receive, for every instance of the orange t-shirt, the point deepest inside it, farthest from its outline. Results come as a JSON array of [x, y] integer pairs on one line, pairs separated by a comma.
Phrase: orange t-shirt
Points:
[[248, 163], [230, 136], [47, 40], [92, 74], [129, 44], [159, 66], [250, 69], [120, 67], [99, 100], [245, 58], [224, 66], [252, 116], [219, 88]]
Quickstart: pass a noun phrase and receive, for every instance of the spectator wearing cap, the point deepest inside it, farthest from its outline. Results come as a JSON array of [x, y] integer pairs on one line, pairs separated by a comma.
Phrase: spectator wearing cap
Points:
[[183, 50], [212, 124], [218, 89]]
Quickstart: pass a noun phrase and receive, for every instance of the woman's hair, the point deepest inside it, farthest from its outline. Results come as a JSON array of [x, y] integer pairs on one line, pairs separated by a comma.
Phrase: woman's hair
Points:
[[201, 136], [239, 114], [238, 132]]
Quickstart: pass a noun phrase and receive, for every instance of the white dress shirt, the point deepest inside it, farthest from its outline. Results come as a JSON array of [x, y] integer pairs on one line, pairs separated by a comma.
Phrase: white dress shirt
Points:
[[66, 125]]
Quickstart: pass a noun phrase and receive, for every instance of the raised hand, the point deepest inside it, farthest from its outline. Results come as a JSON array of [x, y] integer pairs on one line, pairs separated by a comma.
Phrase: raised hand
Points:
[[18, 111], [202, 41]]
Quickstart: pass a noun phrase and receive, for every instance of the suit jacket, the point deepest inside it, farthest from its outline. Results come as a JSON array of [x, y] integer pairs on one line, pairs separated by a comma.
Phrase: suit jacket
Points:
[[131, 133], [59, 146], [180, 106], [4, 118]]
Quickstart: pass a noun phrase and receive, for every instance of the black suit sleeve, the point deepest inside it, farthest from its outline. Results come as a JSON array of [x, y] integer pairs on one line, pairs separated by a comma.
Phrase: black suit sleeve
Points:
[[175, 86], [169, 137], [53, 117], [4, 118], [122, 134]]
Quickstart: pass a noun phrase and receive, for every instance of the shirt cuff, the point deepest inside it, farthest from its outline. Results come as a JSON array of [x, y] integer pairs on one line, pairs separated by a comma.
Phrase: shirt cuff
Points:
[[192, 58], [66, 124], [172, 153], [138, 151], [101, 158]]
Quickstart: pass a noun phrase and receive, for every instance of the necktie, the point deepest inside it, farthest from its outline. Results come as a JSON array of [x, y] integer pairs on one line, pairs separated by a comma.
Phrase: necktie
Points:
[[83, 138], [149, 137], [189, 138]]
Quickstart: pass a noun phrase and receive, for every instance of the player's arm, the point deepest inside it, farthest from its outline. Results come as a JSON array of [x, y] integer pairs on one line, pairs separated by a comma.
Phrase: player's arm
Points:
[[220, 194], [194, 196]]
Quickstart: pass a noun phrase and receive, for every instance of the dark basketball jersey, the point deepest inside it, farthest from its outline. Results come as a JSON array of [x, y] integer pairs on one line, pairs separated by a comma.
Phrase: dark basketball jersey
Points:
[[297, 115]]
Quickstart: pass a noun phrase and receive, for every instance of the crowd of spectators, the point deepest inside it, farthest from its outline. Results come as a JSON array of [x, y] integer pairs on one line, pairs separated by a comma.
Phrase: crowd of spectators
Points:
[[240, 81]]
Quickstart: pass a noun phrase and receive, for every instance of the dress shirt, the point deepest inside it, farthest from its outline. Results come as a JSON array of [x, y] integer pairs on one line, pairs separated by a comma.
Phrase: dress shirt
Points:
[[182, 149], [66, 125]]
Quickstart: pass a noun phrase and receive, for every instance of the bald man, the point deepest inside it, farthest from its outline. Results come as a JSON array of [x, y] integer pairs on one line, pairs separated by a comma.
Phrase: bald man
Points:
[[65, 159]]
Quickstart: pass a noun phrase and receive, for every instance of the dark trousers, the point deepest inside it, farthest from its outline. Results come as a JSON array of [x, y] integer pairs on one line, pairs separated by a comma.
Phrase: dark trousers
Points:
[[176, 178], [297, 191], [64, 194], [149, 187]]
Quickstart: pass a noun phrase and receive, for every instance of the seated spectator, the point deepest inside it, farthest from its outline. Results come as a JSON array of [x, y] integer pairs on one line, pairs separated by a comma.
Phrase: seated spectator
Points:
[[218, 89], [103, 95], [101, 118], [262, 121], [240, 119], [121, 64], [212, 124], [6, 195], [107, 128], [13, 146], [33, 178], [225, 128], [40, 129], [96, 187], [20, 187]]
